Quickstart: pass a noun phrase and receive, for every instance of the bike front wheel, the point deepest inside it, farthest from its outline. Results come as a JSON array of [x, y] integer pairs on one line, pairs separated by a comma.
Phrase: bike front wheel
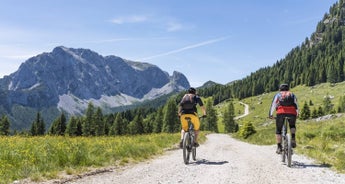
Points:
[[186, 146], [194, 153]]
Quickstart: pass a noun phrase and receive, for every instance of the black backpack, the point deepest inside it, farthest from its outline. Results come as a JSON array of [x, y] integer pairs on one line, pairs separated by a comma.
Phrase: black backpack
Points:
[[188, 102], [286, 98]]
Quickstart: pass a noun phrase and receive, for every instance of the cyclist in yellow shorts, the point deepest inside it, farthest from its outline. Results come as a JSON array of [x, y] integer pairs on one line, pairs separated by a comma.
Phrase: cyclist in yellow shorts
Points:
[[187, 108]]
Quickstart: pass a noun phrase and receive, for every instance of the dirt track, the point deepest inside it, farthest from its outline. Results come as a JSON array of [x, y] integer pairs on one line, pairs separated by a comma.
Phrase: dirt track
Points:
[[221, 159]]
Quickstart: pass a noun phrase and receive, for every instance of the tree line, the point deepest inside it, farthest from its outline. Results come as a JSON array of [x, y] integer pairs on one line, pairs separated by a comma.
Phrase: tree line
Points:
[[140, 120], [317, 60]]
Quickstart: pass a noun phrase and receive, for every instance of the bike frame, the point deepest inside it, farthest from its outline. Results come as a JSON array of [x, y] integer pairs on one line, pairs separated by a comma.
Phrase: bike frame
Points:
[[188, 142]]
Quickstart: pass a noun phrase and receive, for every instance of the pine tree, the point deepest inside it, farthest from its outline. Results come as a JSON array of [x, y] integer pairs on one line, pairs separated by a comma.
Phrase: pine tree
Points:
[[98, 122], [118, 126], [88, 122], [41, 127], [320, 112], [38, 126], [305, 112], [314, 114], [327, 104], [230, 125], [158, 122], [58, 127], [171, 123], [4, 126], [72, 127], [148, 124], [136, 126], [109, 120], [211, 119]]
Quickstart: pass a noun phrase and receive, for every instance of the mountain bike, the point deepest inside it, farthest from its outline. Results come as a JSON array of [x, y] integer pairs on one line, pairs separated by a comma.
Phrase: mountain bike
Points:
[[287, 150], [188, 142]]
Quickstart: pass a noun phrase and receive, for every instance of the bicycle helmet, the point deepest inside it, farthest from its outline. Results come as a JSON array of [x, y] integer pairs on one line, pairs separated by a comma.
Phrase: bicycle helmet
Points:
[[192, 90], [284, 87]]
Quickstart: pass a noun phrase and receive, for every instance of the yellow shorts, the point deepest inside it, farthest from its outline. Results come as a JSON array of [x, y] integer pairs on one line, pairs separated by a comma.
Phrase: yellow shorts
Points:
[[194, 119]]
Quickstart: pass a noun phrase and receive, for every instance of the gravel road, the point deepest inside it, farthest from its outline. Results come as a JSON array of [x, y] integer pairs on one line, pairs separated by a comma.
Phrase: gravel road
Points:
[[221, 159]]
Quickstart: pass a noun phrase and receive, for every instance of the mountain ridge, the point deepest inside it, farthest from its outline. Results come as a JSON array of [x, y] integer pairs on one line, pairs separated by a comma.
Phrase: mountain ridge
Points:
[[68, 79]]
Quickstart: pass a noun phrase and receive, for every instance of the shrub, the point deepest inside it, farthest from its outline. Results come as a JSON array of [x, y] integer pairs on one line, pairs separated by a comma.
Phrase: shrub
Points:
[[246, 130]]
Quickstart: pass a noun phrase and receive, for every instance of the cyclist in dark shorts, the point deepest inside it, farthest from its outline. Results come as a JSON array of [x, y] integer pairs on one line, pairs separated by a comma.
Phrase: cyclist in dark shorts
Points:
[[284, 108]]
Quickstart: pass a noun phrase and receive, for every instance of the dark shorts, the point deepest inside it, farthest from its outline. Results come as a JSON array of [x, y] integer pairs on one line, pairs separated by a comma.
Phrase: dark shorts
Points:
[[280, 122]]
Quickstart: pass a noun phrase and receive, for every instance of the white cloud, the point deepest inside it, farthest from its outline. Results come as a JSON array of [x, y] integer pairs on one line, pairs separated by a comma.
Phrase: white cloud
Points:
[[174, 26], [130, 19]]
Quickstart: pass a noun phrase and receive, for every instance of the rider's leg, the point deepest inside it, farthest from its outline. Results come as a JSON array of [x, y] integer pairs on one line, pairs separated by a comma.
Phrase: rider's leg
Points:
[[182, 134], [292, 124], [279, 125], [196, 135], [181, 141], [184, 125], [196, 123], [278, 139]]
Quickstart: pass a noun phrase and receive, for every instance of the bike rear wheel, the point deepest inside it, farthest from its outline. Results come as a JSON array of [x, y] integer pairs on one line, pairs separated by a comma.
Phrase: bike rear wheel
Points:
[[284, 151], [289, 151], [186, 148]]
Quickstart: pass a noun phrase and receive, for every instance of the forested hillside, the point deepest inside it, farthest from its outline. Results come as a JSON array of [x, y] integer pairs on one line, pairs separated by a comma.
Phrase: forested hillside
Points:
[[317, 60]]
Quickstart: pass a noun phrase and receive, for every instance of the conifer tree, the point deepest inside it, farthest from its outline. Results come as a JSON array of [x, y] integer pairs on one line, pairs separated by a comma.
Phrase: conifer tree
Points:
[[99, 123], [314, 114], [230, 125], [327, 104], [148, 123], [136, 126], [79, 126], [72, 127], [211, 119], [4, 126], [170, 120], [158, 122], [118, 126], [305, 112], [58, 127], [320, 112], [109, 120], [88, 122], [38, 126]]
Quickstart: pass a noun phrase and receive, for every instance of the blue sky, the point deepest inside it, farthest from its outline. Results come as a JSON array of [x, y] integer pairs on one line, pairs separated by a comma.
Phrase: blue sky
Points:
[[219, 40]]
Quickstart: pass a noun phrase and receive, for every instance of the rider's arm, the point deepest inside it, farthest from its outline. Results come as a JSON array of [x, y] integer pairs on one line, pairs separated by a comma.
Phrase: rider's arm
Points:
[[203, 110], [201, 104], [179, 112], [273, 106], [296, 104]]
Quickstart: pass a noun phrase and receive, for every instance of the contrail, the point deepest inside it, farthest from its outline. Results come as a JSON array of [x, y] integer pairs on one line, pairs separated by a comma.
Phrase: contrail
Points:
[[186, 48]]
